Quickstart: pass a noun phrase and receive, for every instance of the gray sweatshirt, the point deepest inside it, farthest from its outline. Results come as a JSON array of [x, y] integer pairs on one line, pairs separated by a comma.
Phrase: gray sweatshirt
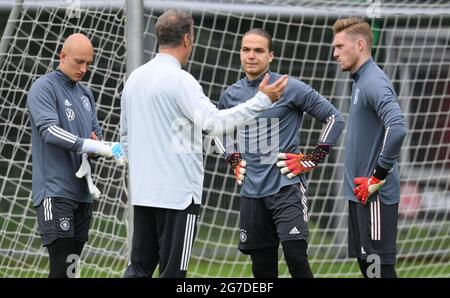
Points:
[[376, 129], [62, 112], [277, 130]]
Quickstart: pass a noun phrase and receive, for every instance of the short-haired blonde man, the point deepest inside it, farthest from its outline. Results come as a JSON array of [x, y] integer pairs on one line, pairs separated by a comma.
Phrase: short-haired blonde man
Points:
[[375, 132]]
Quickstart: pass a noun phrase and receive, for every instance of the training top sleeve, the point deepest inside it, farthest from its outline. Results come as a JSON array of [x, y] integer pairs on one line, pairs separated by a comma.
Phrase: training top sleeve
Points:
[[42, 107], [225, 144], [384, 103], [123, 121], [198, 108], [314, 104], [95, 124]]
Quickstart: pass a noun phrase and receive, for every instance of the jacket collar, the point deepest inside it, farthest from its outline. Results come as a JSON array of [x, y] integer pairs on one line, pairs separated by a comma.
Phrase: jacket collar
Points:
[[257, 81], [356, 75], [64, 78]]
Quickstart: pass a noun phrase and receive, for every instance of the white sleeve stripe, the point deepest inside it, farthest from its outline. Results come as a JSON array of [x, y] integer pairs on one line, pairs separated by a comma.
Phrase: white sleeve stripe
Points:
[[58, 135], [327, 128], [330, 124], [385, 138], [64, 132], [219, 145]]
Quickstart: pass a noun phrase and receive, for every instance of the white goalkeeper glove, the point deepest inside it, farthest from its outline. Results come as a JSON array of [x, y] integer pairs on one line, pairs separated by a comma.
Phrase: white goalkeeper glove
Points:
[[96, 147], [85, 171], [105, 149], [118, 153]]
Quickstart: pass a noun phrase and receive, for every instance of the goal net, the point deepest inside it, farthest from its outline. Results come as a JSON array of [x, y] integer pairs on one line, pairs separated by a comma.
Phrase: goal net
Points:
[[411, 44]]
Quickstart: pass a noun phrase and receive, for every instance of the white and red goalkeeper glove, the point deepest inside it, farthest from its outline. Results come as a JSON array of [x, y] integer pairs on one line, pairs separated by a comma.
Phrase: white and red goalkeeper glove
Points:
[[294, 164], [365, 187], [237, 165]]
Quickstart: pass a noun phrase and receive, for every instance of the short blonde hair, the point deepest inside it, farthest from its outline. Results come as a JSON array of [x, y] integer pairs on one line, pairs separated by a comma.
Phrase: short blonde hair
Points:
[[354, 26]]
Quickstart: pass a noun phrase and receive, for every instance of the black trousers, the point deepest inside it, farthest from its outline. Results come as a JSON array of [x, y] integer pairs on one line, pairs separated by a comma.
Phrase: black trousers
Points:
[[162, 237]]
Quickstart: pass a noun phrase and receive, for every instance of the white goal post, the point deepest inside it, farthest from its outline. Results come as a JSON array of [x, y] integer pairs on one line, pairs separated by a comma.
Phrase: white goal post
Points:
[[412, 45]]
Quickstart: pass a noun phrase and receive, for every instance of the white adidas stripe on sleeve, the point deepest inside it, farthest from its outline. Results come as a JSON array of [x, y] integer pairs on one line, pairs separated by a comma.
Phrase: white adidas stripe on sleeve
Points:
[[330, 124], [62, 134]]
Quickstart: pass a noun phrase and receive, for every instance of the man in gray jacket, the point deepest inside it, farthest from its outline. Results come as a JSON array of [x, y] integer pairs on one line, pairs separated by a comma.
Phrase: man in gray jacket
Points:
[[376, 129], [64, 125], [273, 205]]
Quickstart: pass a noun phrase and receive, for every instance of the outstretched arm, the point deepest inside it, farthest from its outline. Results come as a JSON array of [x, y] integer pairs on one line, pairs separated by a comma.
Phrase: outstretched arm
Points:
[[199, 109]]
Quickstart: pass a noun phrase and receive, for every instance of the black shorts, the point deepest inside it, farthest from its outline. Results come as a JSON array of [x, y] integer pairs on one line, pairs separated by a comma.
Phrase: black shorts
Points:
[[266, 221], [372, 229], [63, 218]]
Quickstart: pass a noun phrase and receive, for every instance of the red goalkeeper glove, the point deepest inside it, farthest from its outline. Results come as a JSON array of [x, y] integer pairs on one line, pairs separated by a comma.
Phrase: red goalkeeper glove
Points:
[[294, 164], [365, 187], [237, 165]]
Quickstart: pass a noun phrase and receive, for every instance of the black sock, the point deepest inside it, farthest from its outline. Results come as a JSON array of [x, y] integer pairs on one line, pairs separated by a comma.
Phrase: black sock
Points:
[[386, 271], [363, 265], [297, 258], [63, 253], [265, 262]]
